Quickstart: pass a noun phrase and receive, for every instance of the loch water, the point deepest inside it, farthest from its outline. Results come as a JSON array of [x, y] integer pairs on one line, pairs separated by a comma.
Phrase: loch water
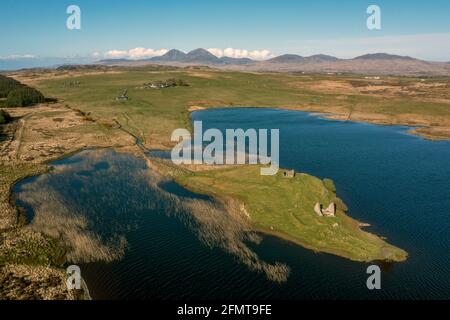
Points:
[[397, 182]]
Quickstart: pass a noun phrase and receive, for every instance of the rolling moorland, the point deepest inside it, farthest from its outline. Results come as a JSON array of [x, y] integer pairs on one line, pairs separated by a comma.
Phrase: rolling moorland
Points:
[[422, 103], [282, 207], [377, 64], [88, 115]]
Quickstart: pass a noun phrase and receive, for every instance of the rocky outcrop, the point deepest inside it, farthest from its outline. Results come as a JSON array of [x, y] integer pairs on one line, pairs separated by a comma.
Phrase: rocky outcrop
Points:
[[330, 211]]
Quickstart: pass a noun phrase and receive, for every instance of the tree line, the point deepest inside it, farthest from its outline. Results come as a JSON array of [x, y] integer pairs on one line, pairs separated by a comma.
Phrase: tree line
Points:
[[15, 94]]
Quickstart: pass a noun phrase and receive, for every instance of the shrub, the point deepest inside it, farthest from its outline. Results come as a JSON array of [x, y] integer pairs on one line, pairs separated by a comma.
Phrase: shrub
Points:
[[7, 85], [4, 117], [23, 97]]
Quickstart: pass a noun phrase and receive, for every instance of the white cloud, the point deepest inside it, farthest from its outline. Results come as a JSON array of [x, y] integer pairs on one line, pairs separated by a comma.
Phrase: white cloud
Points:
[[143, 53], [217, 52], [17, 57], [241, 53], [135, 54]]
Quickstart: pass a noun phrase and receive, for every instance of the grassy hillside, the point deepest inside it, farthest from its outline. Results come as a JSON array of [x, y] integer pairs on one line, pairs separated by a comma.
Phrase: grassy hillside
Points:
[[4, 117]]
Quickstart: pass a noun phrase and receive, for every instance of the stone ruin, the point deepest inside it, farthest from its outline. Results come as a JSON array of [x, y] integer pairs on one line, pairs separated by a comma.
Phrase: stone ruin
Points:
[[329, 212], [289, 174], [123, 97]]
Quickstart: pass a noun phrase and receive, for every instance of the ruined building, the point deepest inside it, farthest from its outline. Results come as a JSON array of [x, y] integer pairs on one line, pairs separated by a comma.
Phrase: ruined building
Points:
[[329, 212], [289, 174]]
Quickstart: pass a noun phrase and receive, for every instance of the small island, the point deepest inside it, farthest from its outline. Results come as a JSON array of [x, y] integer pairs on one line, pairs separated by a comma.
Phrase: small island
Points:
[[284, 206]]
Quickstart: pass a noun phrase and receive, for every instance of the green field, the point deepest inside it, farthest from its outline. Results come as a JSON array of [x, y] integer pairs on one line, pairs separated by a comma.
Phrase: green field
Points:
[[156, 113], [153, 114]]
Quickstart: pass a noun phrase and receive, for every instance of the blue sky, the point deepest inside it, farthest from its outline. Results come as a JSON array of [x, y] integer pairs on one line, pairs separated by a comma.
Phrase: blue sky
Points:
[[38, 28]]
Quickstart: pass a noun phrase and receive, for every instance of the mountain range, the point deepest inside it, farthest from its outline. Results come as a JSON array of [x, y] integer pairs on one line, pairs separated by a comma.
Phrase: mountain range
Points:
[[376, 63], [198, 56], [204, 57], [370, 64]]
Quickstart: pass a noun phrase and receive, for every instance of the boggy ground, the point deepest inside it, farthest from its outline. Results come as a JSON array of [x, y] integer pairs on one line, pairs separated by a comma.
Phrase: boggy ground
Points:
[[30, 262]]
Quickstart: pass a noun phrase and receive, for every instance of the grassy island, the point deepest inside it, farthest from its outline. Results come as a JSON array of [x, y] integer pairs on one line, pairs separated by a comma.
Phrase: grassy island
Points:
[[284, 207]]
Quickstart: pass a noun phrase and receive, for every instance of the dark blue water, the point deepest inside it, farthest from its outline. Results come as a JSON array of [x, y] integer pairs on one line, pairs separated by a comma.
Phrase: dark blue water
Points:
[[397, 182]]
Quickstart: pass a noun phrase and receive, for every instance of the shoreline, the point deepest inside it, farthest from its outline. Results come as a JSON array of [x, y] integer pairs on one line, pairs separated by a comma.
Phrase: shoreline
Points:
[[422, 130], [16, 167]]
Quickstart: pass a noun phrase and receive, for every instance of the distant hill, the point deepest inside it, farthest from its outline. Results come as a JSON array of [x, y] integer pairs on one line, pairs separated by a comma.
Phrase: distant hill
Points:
[[287, 58], [113, 61], [374, 63], [199, 56], [382, 56], [81, 67]]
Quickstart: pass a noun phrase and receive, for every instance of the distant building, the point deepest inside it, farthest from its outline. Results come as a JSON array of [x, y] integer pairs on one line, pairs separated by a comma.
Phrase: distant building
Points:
[[372, 78], [169, 83]]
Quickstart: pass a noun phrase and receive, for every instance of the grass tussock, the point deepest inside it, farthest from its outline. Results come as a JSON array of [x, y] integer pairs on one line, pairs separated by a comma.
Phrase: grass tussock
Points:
[[53, 218], [23, 246], [156, 113], [222, 224]]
